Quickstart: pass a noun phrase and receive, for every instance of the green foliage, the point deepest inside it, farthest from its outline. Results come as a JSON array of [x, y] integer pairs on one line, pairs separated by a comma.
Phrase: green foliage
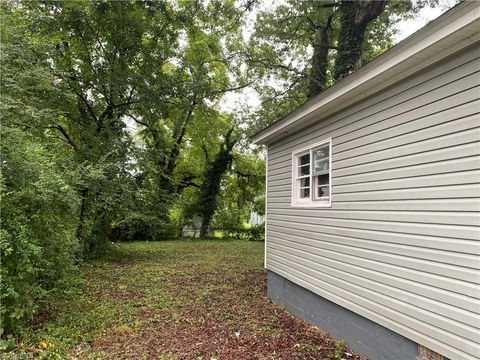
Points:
[[143, 217], [111, 130], [210, 189], [8, 344], [254, 233], [243, 190], [37, 238], [287, 48]]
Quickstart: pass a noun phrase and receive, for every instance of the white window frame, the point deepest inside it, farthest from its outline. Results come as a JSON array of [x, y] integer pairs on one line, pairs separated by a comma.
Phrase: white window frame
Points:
[[313, 201]]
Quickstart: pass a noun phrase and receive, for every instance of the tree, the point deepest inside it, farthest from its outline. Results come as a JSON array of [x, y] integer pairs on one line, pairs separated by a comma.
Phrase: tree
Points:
[[110, 111], [321, 46], [201, 71], [242, 190], [355, 16], [106, 57], [210, 188], [300, 49], [39, 201]]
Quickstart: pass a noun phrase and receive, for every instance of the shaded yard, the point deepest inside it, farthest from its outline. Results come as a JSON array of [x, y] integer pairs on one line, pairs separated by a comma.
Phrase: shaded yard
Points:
[[176, 300]]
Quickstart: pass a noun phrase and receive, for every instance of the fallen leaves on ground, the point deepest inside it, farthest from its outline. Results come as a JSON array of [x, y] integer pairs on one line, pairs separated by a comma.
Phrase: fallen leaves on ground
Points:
[[182, 300]]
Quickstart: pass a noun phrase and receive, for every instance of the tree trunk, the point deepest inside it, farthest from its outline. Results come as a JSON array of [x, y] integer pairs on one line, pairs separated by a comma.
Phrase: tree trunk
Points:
[[170, 163], [354, 19], [321, 46], [211, 185], [318, 74], [84, 193]]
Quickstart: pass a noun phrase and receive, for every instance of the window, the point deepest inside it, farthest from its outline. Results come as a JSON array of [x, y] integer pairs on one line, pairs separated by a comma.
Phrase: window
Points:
[[311, 182]]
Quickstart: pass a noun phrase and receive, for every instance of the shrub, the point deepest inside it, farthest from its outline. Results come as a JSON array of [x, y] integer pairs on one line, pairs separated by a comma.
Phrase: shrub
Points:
[[255, 233], [37, 237]]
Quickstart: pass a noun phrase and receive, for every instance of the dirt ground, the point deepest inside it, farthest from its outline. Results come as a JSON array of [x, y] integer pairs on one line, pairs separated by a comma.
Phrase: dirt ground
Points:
[[177, 300]]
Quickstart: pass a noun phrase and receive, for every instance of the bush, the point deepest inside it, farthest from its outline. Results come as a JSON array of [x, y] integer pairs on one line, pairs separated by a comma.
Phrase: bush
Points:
[[141, 227], [255, 233], [144, 217], [37, 238], [258, 232]]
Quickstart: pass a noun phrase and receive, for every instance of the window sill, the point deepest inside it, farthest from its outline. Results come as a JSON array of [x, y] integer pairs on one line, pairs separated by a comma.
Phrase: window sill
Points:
[[312, 204]]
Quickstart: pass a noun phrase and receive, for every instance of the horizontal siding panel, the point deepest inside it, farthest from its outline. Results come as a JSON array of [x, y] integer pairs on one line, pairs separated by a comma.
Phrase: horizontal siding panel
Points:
[[467, 177], [381, 314], [438, 192], [471, 135], [424, 117], [433, 151], [280, 181], [411, 248], [438, 124], [432, 102], [433, 168], [426, 157], [432, 217], [329, 287], [280, 189], [403, 205], [453, 245], [442, 276], [454, 231], [440, 167], [468, 325], [413, 205]]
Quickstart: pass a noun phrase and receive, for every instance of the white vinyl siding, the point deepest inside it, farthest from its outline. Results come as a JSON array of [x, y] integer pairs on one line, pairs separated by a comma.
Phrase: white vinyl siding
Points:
[[400, 243]]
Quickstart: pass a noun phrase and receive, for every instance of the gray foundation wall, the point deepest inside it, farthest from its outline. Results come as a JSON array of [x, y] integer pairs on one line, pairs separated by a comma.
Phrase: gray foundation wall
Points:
[[360, 334]]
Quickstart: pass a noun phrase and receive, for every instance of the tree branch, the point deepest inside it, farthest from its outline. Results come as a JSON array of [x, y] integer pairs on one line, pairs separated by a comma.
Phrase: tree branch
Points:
[[87, 103], [235, 88], [304, 17], [137, 120], [268, 64], [370, 11], [65, 135]]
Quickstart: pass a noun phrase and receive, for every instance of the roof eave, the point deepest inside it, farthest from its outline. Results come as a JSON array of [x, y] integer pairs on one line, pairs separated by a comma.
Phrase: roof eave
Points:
[[450, 33]]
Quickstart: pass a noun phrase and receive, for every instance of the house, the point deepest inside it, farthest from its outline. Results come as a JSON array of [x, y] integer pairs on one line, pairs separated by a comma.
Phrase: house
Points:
[[373, 199]]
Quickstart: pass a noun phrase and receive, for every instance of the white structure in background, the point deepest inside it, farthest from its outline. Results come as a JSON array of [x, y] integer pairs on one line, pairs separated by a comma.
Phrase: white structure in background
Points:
[[256, 219], [193, 228]]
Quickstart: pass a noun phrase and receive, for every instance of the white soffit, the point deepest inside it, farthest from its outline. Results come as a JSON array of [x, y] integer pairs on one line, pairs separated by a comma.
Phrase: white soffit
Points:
[[455, 30]]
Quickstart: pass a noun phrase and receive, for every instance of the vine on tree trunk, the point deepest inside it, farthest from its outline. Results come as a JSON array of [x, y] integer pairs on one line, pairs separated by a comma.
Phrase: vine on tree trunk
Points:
[[211, 185]]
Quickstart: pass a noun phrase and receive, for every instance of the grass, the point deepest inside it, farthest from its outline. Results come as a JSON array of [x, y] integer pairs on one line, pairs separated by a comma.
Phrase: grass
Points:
[[189, 299]]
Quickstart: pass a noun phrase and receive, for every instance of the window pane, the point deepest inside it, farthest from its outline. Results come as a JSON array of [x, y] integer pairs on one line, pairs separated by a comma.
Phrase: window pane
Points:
[[323, 179], [304, 170], [321, 166], [321, 153], [323, 191], [305, 193], [304, 159], [321, 159], [305, 182]]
